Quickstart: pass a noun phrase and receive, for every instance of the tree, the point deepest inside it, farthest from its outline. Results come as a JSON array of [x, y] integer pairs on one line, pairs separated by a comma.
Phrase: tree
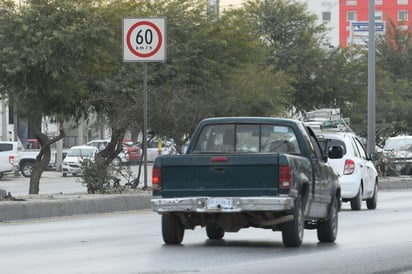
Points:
[[49, 49], [393, 92], [293, 37]]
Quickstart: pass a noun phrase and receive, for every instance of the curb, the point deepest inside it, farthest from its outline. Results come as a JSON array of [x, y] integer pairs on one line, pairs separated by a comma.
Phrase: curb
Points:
[[69, 205], [395, 183], [59, 205]]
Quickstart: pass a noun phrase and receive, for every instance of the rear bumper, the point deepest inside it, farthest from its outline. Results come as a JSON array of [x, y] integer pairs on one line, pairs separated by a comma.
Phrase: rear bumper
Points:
[[222, 204]]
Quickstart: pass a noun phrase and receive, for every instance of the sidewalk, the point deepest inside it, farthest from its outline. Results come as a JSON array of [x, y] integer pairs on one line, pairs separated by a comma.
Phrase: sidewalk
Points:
[[46, 206]]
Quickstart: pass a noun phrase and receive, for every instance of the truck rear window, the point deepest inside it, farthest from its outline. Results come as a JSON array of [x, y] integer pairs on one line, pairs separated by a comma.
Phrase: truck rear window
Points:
[[252, 138]]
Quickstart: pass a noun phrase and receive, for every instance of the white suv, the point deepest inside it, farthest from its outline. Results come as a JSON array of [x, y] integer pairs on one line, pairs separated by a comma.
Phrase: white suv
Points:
[[358, 177]]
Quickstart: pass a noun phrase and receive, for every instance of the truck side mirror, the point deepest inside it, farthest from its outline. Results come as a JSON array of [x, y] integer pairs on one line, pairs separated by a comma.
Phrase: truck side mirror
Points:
[[335, 152]]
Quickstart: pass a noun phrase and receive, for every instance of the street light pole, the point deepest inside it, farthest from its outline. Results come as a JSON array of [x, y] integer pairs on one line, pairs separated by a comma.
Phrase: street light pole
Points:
[[371, 79]]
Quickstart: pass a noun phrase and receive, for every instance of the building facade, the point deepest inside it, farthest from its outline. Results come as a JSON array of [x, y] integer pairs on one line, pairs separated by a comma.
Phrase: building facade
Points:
[[355, 13], [347, 20]]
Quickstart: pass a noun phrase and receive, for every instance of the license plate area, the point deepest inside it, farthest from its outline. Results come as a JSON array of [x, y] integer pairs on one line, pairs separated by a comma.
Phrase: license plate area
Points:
[[219, 203]]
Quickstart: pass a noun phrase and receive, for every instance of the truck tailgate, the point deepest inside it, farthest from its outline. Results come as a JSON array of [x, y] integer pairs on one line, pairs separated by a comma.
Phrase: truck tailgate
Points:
[[219, 175]]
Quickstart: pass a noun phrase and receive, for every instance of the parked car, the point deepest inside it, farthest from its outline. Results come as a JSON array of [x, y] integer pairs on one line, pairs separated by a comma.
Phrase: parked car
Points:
[[75, 158], [122, 157], [398, 154], [358, 176], [134, 152]]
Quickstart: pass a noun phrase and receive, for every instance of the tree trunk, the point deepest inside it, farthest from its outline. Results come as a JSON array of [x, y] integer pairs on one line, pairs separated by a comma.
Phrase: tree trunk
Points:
[[43, 159], [115, 146]]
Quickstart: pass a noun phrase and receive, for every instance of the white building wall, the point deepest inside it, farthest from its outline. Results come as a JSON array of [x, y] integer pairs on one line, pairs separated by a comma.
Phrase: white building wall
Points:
[[318, 7]]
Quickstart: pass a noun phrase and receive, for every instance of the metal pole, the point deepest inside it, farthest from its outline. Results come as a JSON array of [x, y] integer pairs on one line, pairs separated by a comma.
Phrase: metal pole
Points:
[[371, 79], [145, 124]]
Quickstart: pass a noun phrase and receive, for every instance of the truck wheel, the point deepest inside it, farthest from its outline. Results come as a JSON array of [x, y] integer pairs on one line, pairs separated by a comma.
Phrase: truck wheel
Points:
[[328, 230], [356, 203], [292, 231], [172, 229], [26, 169], [214, 232], [373, 202]]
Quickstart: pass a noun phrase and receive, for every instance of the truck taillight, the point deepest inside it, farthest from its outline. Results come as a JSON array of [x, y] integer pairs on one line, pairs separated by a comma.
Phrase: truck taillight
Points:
[[156, 178], [285, 177], [11, 159], [349, 167]]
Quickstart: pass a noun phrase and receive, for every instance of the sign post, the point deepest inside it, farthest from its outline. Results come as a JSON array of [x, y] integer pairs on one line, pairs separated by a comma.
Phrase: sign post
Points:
[[144, 40]]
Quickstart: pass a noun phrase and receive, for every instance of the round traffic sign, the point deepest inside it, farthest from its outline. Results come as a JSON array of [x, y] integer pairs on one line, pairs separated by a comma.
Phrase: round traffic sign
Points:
[[144, 39]]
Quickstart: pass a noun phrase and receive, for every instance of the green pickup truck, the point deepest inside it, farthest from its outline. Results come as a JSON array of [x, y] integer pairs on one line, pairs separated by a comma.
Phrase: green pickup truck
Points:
[[241, 172]]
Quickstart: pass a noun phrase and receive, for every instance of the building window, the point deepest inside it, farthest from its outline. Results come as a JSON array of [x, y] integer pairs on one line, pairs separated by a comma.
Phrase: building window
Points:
[[402, 2], [326, 16], [351, 16], [402, 15], [351, 3], [378, 15], [378, 2]]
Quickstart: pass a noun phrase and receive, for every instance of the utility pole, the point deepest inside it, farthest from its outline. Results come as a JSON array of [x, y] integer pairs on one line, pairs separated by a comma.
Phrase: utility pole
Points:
[[371, 80]]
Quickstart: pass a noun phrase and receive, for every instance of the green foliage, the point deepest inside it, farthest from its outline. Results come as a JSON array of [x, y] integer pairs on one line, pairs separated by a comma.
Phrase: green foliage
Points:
[[48, 51], [64, 58], [393, 85], [101, 177], [293, 39]]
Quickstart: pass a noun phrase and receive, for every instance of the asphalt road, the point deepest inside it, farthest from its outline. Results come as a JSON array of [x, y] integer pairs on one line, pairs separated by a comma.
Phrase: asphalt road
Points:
[[369, 241]]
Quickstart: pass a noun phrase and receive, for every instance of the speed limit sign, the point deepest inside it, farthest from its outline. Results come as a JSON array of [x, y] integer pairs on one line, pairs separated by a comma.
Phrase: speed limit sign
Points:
[[144, 39]]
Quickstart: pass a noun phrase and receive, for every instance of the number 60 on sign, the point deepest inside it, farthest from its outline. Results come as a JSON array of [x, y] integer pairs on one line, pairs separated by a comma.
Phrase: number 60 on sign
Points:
[[144, 39]]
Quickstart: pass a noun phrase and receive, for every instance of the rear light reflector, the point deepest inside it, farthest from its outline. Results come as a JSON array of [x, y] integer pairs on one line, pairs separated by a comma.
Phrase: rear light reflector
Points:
[[11, 159], [349, 167], [156, 182], [285, 177]]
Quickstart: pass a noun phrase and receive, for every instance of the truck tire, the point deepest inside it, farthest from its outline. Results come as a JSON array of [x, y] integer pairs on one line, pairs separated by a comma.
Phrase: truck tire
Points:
[[292, 231], [172, 229], [356, 203], [328, 230], [26, 169], [214, 232], [373, 202]]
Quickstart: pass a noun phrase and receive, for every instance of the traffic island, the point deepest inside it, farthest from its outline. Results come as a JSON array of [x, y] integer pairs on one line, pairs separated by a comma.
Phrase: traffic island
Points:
[[46, 206]]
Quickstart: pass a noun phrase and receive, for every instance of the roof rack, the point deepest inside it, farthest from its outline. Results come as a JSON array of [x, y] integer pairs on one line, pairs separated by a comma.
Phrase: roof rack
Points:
[[327, 119], [336, 125]]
